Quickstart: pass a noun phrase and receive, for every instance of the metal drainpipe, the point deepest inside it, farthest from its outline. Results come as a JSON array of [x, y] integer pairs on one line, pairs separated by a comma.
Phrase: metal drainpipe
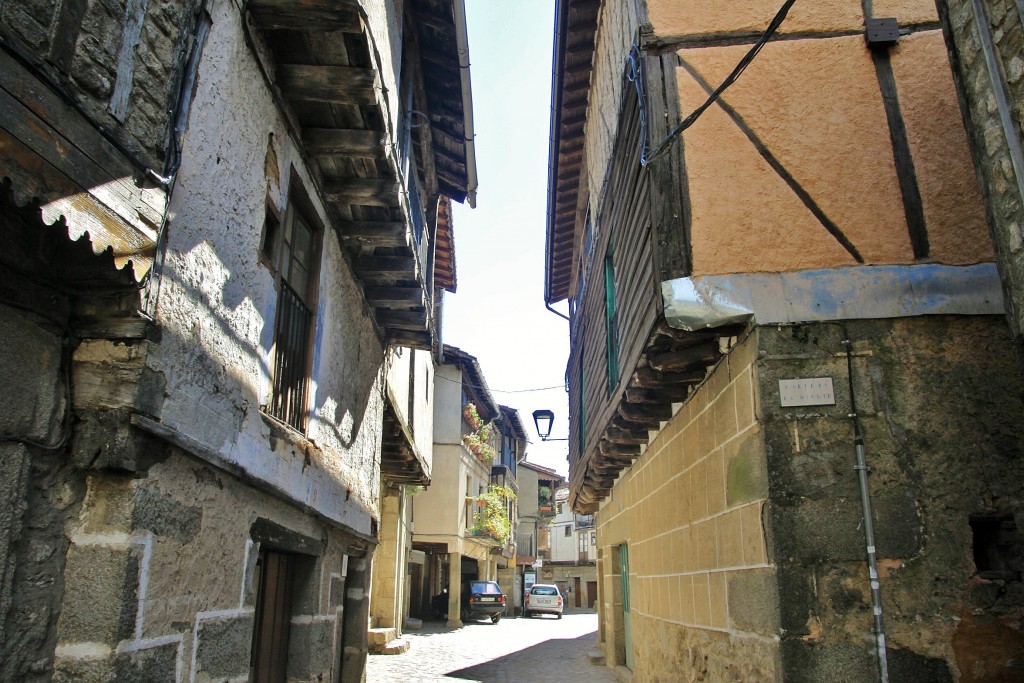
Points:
[[869, 527], [462, 43]]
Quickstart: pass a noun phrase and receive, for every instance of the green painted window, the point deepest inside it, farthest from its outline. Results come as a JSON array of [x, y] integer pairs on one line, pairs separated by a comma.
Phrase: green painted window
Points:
[[611, 318], [583, 403]]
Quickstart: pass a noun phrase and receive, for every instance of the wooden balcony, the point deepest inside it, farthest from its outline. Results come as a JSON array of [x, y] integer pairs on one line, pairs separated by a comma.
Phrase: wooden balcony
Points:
[[400, 463], [324, 66]]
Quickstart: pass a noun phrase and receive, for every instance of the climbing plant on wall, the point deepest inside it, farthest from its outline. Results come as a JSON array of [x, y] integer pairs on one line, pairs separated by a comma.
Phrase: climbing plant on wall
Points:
[[493, 520], [478, 441]]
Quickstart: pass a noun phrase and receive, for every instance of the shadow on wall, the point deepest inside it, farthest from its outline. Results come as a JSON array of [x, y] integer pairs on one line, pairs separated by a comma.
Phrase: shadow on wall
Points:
[[207, 338]]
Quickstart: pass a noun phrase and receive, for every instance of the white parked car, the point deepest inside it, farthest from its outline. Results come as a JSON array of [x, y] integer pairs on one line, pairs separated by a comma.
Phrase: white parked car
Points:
[[543, 598]]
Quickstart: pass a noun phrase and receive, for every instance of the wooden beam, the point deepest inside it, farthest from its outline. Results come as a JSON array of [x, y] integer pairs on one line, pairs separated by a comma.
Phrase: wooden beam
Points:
[[648, 378], [364, 191], [402, 320], [317, 15], [376, 233], [684, 359], [395, 297], [410, 339], [336, 84], [613, 450], [344, 141], [671, 393], [644, 416], [626, 436], [386, 266]]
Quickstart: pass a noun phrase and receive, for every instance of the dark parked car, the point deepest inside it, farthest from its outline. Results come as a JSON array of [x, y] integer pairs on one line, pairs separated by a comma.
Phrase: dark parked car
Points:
[[483, 599]]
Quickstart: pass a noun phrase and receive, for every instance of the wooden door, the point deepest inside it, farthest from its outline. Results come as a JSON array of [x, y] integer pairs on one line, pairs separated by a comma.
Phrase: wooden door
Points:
[[627, 621], [576, 591], [269, 663], [591, 593]]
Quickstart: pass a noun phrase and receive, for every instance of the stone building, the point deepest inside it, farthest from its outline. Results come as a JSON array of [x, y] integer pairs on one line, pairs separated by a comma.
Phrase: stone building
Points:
[[986, 41], [475, 443], [537, 488], [573, 562], [220, 222], [794, 400]]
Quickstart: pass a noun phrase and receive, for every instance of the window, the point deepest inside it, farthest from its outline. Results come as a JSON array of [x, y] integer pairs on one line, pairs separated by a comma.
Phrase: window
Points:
[[293, 249], [611, 322], [568, 530], [583, 402]]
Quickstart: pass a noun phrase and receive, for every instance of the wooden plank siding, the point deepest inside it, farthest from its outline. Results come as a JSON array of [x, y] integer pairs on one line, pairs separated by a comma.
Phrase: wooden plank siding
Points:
[[623, 226]]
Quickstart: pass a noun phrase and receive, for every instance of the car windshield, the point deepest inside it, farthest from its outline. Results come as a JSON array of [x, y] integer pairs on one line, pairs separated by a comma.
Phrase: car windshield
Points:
[[486, 587], [544, 590]]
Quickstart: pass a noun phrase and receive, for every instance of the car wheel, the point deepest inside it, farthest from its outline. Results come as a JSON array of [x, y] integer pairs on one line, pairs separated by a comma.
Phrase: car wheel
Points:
[[559, 615], [495, 618], [465, 614]]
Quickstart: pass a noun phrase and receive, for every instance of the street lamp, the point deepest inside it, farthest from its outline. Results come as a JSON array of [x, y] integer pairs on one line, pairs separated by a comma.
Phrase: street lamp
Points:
[[542, 420]]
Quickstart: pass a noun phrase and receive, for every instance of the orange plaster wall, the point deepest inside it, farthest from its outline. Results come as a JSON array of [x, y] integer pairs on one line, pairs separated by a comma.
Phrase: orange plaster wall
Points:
[[816, 105], [906, 11], [953, 206], [697, 17]]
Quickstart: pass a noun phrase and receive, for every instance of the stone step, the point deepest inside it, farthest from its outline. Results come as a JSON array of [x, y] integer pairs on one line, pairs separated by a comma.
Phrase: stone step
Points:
[[378, 638], [412, 624], [396, 647], [595, 657]]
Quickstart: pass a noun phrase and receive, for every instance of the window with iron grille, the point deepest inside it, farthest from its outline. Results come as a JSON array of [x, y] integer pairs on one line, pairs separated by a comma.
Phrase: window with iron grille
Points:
[[296, 255]]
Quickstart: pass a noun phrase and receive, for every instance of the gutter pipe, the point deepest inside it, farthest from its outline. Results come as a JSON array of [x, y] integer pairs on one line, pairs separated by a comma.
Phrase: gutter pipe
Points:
[[462, 43], [869, 527]]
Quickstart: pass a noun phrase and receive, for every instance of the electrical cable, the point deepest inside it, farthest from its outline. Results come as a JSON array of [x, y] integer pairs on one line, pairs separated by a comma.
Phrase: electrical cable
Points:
[[647, 156], [501, 391]]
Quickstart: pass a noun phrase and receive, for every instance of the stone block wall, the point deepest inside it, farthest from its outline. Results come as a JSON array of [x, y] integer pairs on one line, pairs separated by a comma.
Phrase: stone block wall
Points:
[[1001, 21], [618, 26], [389, 564], [690, 511], [940, 405], [39, 491], [101, 51], [160, 579]]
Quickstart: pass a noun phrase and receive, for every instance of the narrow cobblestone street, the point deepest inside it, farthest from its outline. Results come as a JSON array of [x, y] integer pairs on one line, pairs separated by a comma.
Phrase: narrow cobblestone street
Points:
[[512, 651]]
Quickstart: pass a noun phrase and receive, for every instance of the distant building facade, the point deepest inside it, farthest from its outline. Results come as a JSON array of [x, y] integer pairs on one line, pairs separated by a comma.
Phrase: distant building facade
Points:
[[470, 477], [573, 554]]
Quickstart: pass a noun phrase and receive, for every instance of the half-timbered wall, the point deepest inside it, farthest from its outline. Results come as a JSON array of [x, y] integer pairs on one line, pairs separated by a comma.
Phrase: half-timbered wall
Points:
[[824, 153]]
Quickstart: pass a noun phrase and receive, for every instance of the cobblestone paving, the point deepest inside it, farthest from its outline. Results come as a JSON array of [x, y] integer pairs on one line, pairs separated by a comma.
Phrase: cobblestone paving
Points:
[[538, 650]]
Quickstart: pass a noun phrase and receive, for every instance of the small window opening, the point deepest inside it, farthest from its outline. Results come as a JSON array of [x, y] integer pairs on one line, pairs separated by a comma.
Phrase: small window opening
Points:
[[271, 232], [998, 547]]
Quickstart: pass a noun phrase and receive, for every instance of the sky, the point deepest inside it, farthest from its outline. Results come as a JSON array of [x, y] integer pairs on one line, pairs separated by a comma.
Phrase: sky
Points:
[[497, 312]]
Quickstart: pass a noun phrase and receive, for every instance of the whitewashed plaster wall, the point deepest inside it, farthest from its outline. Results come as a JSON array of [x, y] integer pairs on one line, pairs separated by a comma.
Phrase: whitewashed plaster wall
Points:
[[441, 509], [564, 548], [218, 301], [448, 405]]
